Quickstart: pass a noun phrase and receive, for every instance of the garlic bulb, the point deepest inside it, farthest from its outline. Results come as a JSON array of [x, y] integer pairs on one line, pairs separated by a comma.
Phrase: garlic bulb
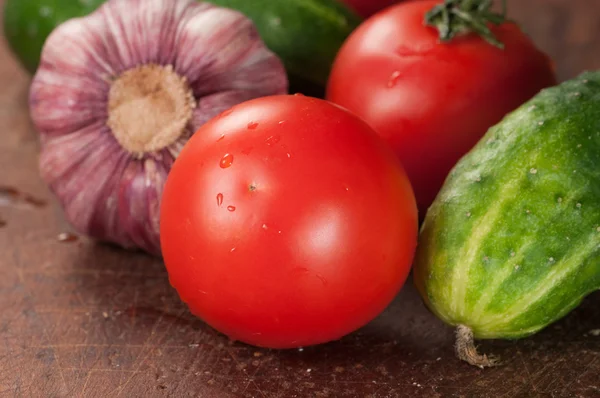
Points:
[[120, 91]]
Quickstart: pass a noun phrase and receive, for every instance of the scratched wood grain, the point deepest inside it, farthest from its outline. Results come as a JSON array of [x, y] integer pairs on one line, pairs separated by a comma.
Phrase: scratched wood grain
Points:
[[85, 320]]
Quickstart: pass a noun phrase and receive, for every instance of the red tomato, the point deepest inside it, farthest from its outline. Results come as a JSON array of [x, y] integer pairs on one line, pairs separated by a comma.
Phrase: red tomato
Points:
[[366, 8], [432, 101], [287, 222]]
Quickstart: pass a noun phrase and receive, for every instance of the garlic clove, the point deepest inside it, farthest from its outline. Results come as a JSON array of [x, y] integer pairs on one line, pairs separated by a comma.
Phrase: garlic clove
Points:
[[79, 172], [141, 217], [119, 92], [237, 66], [106, 219], [76, 103]]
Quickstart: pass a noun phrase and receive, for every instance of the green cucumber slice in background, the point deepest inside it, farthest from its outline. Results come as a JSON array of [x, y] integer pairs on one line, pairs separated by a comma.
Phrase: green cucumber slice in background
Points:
[[305, 34], [27, 24]]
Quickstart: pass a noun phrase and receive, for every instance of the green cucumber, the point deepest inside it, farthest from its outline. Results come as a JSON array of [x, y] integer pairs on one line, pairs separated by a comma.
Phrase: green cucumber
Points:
[[305, 34], [27, 24], [512, 242]]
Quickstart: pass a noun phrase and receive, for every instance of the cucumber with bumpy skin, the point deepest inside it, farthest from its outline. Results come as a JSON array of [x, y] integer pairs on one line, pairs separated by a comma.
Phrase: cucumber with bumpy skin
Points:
[[512, 242]]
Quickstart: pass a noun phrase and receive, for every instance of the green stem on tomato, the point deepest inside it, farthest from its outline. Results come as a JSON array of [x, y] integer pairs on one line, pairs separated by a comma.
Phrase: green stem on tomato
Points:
[[456, 17]]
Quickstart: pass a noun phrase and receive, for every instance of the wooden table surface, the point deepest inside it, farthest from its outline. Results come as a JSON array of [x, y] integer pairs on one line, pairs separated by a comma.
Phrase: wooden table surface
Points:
[[80, 319]]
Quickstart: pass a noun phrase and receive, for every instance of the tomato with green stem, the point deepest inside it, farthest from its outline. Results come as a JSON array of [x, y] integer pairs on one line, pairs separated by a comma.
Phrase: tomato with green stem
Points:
[[287, 222], [431, 77]]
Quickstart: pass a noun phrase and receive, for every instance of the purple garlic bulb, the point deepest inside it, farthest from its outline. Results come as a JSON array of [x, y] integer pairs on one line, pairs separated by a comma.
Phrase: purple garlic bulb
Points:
[[119, 92]]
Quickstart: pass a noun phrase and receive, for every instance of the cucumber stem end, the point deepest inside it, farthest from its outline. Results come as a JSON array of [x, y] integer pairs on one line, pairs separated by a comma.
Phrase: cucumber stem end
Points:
[[466, 350]]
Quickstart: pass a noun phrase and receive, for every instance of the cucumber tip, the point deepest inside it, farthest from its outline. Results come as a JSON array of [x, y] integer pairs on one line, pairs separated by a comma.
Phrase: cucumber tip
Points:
[[466, 350]]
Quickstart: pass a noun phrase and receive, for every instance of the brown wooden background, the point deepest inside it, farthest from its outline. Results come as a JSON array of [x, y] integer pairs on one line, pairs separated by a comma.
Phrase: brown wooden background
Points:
[[78, 319]]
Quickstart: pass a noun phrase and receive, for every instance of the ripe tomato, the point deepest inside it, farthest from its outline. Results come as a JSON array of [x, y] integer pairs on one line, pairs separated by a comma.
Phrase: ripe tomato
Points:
[[432, 101], [287, 222], [366, 8]]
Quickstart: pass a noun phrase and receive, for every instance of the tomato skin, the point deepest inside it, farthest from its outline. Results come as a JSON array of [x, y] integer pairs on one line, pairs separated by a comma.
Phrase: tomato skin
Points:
[[287, 222], [432, 101], [366, 8]]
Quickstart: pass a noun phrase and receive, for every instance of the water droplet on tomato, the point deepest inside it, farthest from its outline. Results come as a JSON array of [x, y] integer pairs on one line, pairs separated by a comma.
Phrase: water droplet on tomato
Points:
[[289, 155], [231, 208], [298, 95], [264, 226], [393, 79], [219, 199], [281, 122], [274, 139], [226, 161], [226, 113], [221, 137], [252, 125]]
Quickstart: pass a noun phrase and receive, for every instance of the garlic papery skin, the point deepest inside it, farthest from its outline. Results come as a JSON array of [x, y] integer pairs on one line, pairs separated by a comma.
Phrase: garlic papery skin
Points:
[[119, 92]]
